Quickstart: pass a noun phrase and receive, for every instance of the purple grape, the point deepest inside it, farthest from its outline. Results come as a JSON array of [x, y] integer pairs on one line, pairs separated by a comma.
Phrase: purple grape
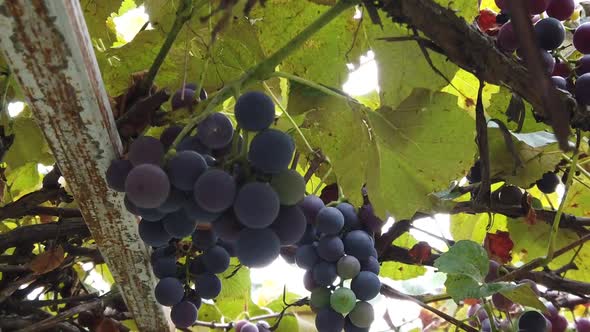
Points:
[[290, 186], [151, 214], [583, 65], [204, 239], [582, 91], [147, 186], [358, 244], [193, 143], [532, 321], [537, 6], [561, 9], [328, 320], [216, 131], [254, 111], [308, 281], [194, 211], [330, 248], [227, 227], [216, 259], [185, 168], [146, 150], [329, 221], [164, 267], [248, 327], [117, 173], [215, 190], [153, 233], [348, 267], [583, 325], [506, 39], [582, 38], [560, 324], [351, 219], [311, 205], [290, 224], [184, 314], [179, 225], [548, 60], [362, 315], [306, 256], [257, 205], [366, 285], [130, 206], [183, 98], [257, 247], [174, 202], [501, 302], [548, 183], [169, 291], [169, 135], [559, 82], [324, 273], [501, 4], [562, 69], [371, 264], [207, 285], [271, 151], [550, 33]]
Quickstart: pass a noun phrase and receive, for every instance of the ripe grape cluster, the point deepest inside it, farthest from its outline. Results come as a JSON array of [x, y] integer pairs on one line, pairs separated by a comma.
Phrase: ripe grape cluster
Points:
[[231, 197], [341, 265], [551, 34], [246, 326]]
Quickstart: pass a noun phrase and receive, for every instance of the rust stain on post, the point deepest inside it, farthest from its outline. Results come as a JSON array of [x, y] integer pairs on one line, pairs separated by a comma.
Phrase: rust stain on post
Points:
[[47, 46]]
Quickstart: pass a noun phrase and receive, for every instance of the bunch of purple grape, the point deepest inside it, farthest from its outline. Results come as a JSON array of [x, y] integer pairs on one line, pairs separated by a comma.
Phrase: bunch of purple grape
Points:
[[230, 196], [340, 260], [551, 34]]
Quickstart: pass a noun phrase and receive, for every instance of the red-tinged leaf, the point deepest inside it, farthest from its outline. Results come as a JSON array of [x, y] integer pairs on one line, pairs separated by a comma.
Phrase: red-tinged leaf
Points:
[[486, 21], [45, 219], [107, 325], [48, 260], [499, 246], [420, 252], [471, 301], [426, 317]]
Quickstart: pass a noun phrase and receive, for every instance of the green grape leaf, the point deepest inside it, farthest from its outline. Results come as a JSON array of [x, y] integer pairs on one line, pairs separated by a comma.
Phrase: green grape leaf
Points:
[[466, 258], [421, 146], [469, 227], [402, 66], [465, 8], [538, 151], [96, 14], [523, 294], [23, 180], [237, 286], [324, 56], [29, 145], [531, 241], [461, 287], [498, 107], [336, 126]]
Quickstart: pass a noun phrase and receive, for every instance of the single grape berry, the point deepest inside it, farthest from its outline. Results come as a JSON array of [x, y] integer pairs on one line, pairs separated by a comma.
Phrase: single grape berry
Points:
[[330, 248], [548, 183], [362, 315], [510, 195], [311, 205], [290, 186], [328, 320], [271, 151], [117, 174], [146, 150], [532, 321], [537, 6], [474, 174], [257, 205], [184, 314], [147, 186], [501, 302], [216, 131], [329, 221], [493, 271], [254, 111], [559, 82], [215, 190], [343, 300], [507, 39], [153, 233], [366, 285], [561, 9], [320, 297], [583, 325], [306, 256], [183, 98], [207, 285], [550, 33], [324, 273], [185, 168], [348, 267], [169, 135], [583, 65], [290, 224], [169, 291], [582, 91], [582, 38], [258, 247]]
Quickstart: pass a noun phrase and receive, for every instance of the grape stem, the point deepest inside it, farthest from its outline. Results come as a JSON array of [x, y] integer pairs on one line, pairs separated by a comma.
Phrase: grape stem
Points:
[[183, 15], [265, 69], [309, 83]]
